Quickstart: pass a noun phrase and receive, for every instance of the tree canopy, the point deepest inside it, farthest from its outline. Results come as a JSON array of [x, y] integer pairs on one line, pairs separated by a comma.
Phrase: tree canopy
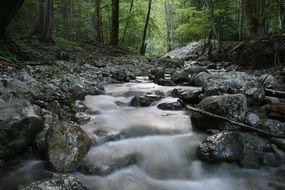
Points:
[[168, 23]]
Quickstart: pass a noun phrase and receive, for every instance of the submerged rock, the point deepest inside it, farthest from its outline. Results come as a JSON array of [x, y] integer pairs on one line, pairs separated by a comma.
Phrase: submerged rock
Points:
[[67, 145], [176, 105], [19, 126], [142, 101], [230, 106], [58, 182]]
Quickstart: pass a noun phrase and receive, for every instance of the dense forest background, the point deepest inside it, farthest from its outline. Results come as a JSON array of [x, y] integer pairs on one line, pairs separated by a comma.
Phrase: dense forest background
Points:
[[147, 26]]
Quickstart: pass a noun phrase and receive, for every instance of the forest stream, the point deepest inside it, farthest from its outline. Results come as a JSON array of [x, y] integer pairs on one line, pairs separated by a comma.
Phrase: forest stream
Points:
[[140, 148]]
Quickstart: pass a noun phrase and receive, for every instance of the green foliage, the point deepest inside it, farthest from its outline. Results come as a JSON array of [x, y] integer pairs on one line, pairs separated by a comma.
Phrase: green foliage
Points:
[[189, 21]]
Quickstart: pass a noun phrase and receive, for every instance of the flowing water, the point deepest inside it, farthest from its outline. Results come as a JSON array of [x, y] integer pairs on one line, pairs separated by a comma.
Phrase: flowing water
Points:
[[140, 149]]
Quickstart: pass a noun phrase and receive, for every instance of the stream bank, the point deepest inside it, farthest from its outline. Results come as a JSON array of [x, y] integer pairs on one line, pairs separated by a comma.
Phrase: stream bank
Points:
[[136, 134]]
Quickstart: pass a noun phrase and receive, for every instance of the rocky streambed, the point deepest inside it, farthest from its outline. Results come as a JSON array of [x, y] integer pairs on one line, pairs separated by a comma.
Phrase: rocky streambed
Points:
[[101, 127]]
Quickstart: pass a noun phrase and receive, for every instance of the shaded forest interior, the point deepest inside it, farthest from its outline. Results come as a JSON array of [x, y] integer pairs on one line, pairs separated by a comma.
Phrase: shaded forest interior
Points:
[[147, 27]]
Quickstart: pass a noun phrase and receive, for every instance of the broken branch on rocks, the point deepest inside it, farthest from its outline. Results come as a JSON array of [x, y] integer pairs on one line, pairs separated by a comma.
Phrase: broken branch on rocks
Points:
[[274, 93], [242, 125]]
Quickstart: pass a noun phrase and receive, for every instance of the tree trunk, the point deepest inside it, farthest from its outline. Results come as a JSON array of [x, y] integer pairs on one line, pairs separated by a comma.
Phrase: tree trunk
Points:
[[282, 14], [115, 23], [127, 21], [8, 9], [144, 45], [241, 22], [65, 12], [46, 35], [97, 20], [38, 27], [168, 24], [213, 26], [251, 15]]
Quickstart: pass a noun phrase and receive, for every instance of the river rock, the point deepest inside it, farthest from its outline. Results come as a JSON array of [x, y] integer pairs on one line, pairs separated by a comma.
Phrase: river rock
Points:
[[170, 63], [67, 145], [246, 149], [120, 75], [254, 149], [252, 119], [78, 92], [199, 79], [195, 70], [165, 82], [269, 81], [57, 182], [142, 101], [175, 105], [82, 118], [274, 126], [230, 106], [13, 88], [179, 77], [224, 146], [233, 83], [19, 126], [190, 96], [158, 75]]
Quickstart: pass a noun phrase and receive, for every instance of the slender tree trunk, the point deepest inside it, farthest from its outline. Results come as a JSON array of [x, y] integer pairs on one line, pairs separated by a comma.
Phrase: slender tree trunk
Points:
[[251, 15], [213, 26], [115, 23], [282, 14], [38, 27], [241, 22], [143, 44], [128, 21], [168, 24], [8, 9], [98, 24], [46, 35], [65, 12]]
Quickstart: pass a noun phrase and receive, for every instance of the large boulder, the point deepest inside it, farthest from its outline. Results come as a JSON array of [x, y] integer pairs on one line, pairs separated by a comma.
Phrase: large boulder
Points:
[[179, 77], [19, 126], [57, 182], [232, 107], [246, 149], [67, 145], [233, 83]]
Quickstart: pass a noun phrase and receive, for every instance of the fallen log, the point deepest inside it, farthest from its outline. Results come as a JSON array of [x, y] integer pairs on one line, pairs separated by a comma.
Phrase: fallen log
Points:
[[242, 125], [274, 93], [276, 110]]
